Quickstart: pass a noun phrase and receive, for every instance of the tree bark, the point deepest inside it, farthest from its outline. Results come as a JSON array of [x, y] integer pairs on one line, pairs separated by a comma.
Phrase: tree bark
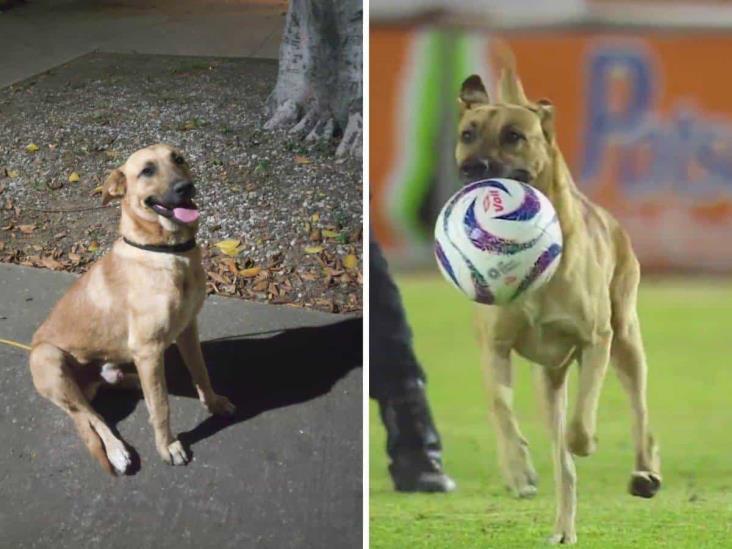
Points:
[[319, 88]]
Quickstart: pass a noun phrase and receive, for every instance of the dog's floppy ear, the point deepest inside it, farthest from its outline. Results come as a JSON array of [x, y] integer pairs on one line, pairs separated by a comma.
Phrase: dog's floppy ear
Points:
[[472, 92], [114, 186], [510, 89], [545, 110]]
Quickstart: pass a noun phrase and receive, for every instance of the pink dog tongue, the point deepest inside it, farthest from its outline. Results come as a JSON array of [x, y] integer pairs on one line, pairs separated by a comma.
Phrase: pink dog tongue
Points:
[[185, 215]]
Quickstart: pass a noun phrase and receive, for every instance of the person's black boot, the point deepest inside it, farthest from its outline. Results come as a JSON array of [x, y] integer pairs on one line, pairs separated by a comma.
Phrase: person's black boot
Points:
[[413, 443]]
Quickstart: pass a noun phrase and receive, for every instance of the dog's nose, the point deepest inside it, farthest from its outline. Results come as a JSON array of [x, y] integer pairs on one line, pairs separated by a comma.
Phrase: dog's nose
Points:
[[184, 189]]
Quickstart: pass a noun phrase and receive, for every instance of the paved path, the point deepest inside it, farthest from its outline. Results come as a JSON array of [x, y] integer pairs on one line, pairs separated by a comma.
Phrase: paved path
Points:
[[45, 33], [286, 472]]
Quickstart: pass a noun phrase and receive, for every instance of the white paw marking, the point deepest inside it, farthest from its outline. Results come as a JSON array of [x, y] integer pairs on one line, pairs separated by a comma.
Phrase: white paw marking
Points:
[[178, 455], [526, 491], [111, 373], [119, 457]]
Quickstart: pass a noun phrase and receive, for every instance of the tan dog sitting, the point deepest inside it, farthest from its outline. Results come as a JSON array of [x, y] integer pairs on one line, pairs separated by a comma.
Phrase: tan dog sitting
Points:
[[586, 313], [130, 306]]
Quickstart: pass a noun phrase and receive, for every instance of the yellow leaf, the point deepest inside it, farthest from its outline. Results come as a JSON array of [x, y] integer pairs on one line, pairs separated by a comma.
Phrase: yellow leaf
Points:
[[31, 147], [315, 217], [74, 177], [250, 272], [93, 247], [230, 246], [13, 173], [350, 261], [313, 249], [329, 234], [300, 159]]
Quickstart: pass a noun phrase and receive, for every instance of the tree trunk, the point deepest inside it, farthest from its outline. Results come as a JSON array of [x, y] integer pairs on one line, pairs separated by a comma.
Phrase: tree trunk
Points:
[[319, 88]]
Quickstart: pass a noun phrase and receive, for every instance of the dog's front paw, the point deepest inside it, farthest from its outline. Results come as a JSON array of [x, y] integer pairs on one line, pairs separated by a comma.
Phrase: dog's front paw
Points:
[[525, 486], [563, 538], [519, 473], [220, 406], [174, 453], [119, 457]]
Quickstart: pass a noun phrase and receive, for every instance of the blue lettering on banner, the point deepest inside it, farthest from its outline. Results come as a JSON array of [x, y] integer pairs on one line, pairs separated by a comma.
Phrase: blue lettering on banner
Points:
[[687, 152]]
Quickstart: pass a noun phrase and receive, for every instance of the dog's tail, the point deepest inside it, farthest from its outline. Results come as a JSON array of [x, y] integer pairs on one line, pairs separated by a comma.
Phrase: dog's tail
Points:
[[93, 442]]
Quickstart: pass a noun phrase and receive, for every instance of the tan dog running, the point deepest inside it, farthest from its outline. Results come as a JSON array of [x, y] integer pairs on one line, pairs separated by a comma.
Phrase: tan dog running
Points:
[[129, 307], [587, 312]]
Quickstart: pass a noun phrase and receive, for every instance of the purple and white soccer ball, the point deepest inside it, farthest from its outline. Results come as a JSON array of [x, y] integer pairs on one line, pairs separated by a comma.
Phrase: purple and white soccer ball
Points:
[[497, 240]]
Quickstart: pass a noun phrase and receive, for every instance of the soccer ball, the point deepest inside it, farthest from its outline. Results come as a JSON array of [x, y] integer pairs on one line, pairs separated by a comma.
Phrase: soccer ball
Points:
[[498, 239]]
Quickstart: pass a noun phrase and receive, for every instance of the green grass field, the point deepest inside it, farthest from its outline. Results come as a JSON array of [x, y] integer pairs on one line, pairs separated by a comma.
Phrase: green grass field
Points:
[[686, 326]]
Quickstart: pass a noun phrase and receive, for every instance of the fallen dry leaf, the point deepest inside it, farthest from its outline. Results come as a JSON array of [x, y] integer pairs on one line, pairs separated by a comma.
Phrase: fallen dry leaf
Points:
[[97, 190], [13, 173], [230, 246], [300, 159], [217, 277], [51, 263], [230, 264], [74, 177], [327, 233], [250, 272], [94, 246], [26, 229], [350, 261], [260, 286], [31, 147], [315, 217], [313, 249]]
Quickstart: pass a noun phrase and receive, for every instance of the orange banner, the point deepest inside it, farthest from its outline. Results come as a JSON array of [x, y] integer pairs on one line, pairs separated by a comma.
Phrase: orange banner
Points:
[[644, 120]]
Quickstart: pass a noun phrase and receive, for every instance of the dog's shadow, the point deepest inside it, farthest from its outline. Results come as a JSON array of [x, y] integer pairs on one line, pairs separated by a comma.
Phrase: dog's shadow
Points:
[[257, 373]]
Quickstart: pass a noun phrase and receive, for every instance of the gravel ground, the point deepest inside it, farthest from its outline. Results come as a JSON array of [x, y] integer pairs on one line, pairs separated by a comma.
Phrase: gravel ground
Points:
[[294, 210]]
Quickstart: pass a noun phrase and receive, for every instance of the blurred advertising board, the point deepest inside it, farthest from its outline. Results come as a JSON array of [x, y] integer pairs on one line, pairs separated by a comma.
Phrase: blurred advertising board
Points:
[[644, 119]]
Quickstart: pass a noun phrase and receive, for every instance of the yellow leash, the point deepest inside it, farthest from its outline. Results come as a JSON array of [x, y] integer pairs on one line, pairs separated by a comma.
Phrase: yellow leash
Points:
[[15, 344]]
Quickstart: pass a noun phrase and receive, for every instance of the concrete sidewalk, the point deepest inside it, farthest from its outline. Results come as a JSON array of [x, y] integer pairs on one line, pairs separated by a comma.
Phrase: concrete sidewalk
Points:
[[45, 33], [286, 472]]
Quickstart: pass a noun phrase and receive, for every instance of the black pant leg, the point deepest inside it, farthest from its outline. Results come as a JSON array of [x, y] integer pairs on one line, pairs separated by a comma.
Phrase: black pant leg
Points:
[[392, 362]]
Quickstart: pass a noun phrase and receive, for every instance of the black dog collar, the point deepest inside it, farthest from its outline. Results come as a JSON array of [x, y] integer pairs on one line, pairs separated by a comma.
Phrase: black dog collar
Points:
[[164, 248]]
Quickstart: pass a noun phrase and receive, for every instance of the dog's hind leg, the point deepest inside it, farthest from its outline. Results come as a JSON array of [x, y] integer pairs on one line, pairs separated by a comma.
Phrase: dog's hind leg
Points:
[[565, 477], [55, 381], [593, 361], [513, 449], [630, 362]]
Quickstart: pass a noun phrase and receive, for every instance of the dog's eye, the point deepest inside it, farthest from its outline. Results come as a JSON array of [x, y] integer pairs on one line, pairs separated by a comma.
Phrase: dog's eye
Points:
[[179, 160], [148, 171], [467, 136], [511, 137]]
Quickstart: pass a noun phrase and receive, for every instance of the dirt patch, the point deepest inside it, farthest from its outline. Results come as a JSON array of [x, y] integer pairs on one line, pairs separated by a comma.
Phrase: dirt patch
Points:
[[293, 211]]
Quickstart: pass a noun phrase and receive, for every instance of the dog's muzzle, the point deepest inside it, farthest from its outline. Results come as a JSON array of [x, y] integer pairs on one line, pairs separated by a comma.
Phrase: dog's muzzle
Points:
[[477, 169], [176, 204]]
